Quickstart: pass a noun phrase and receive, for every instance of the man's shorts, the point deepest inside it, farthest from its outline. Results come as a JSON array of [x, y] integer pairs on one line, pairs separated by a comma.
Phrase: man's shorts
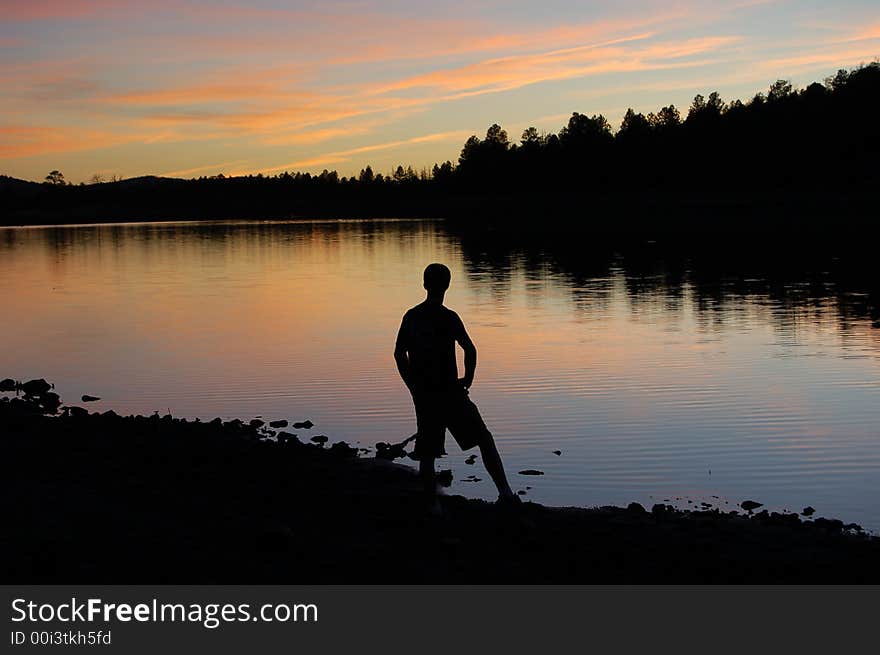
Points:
[[453, 409]]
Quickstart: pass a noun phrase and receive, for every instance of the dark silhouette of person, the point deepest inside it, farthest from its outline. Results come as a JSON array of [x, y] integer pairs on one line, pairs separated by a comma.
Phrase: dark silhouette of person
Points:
[[425, 356]]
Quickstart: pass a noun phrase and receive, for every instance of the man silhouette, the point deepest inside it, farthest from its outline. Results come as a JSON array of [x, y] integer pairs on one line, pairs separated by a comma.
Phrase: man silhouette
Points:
[[425, 356]]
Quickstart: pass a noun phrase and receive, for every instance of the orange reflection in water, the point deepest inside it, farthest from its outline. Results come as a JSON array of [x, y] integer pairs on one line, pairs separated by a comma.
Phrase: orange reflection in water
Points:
[[644, 385]]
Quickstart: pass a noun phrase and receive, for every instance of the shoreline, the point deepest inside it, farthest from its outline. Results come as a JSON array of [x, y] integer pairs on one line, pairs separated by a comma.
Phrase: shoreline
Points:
[[103, 498]]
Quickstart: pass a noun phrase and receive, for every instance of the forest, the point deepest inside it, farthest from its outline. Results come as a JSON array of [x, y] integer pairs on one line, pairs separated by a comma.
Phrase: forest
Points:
[[813, 149]]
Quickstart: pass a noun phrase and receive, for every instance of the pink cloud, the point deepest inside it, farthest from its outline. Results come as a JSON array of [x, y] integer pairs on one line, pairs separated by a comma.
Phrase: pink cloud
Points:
[[34, 10]]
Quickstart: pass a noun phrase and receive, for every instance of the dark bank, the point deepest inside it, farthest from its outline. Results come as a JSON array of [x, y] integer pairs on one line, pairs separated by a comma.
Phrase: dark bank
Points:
[[104, 498]]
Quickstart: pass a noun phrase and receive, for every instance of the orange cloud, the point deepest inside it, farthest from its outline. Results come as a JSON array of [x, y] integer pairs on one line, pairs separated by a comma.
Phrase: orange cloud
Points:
[[513, 72], [27, 140], [868, 34], [836, 57], [287, 116]]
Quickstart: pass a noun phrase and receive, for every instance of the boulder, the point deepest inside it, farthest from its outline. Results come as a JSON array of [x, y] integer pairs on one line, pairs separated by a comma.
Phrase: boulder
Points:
[[35, 387], [390, 451], [287, 437], [342, 449]]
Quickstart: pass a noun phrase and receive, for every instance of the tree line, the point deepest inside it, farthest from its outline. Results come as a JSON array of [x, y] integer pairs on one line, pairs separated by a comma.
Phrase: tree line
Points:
[[823, 139]]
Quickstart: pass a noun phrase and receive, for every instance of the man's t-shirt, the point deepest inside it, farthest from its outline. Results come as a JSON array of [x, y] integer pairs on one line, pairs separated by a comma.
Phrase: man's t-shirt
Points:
[[428, 333]]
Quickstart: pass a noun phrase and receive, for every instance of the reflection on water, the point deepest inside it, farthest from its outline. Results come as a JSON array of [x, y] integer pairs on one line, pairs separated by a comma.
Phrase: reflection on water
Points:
[[659, 375]]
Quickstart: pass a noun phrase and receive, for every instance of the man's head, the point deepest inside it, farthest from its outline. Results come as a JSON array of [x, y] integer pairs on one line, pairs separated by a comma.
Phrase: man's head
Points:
[[437, 278]]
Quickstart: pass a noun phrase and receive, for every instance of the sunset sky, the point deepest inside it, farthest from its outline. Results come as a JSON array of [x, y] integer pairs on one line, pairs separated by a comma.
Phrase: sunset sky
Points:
[[196, 88]]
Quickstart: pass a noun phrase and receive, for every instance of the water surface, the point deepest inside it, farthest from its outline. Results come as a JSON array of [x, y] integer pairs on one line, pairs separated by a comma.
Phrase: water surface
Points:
[[655, 383]]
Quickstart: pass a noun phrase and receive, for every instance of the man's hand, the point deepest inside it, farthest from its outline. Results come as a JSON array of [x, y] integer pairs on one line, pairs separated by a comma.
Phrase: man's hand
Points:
[[466, 381]]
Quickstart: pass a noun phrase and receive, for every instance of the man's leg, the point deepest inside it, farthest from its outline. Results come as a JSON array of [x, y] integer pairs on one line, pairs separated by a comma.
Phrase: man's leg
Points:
[[468, 427], [426, 472], [429, 483], [492, 462], [429, 445]]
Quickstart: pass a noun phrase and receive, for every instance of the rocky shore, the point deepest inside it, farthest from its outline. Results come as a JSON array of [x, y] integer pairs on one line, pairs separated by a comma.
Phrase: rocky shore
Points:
[[104, 498]]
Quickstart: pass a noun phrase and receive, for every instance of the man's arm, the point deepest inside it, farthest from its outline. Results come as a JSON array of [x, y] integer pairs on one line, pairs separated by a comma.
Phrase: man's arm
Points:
[[470, 355], [400, 354]]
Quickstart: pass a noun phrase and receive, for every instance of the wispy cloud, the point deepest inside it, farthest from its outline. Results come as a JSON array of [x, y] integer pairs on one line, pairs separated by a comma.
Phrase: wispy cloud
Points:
[[870, 33], [346, 155], [505, 74], [201, 169]]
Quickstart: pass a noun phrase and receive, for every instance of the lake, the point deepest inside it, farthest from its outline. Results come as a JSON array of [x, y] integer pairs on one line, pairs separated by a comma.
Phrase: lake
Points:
[[659, 377]]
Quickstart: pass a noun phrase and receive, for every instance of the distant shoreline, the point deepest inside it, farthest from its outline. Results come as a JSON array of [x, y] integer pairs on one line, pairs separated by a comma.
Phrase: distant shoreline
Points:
[[602, 214], [101, 498]]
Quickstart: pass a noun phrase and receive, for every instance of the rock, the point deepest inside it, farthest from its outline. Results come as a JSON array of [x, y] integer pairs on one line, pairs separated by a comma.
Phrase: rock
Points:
[[636, 508], [77, 412], [319, 439], [89, 399], [287, 437], [278, 424], [389, 451], [342, 449], [444, 477], [833, 525], [521, 492], [7, 384], [305, 425], [35, 387], [749, 505], [256, 423], [659, 508], [531, 472], [808, 511], [557, 452], [50, 402], [471, 459]]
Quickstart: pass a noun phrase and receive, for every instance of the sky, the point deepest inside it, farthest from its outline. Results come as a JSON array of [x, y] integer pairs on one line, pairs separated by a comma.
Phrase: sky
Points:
[[192, 88]]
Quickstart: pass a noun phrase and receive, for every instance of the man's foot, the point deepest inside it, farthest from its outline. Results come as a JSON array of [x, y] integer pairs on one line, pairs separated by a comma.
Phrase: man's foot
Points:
[[511, 501]]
